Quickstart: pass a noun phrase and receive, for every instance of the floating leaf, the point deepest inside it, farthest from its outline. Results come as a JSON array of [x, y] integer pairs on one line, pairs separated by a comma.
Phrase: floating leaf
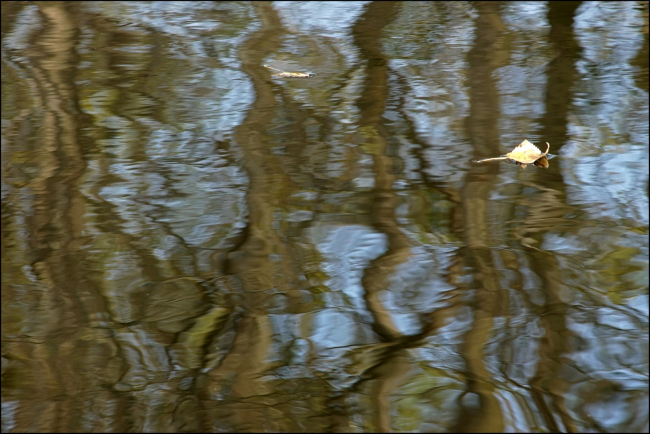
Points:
[[284, 74], [542, 162], [525, 153]]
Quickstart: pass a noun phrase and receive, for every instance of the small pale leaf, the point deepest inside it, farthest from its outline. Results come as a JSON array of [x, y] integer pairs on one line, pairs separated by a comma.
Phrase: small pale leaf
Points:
[[527, 153]]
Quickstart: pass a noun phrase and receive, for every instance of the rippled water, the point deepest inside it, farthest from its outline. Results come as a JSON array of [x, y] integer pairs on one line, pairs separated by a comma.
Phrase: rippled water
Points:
[[190, 244]]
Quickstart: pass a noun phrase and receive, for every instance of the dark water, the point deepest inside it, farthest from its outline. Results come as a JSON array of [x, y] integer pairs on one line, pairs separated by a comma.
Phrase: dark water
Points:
[[189, 244]]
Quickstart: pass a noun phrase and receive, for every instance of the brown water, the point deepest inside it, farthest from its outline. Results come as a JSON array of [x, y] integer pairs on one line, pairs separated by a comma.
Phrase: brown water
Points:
[[189, 244]]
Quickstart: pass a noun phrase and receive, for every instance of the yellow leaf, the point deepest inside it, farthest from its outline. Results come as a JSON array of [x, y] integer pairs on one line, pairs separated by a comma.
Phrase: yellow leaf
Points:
[[527, 153]]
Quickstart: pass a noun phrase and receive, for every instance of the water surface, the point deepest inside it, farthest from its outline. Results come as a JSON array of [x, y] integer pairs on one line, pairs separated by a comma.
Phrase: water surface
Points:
[[192, 245]]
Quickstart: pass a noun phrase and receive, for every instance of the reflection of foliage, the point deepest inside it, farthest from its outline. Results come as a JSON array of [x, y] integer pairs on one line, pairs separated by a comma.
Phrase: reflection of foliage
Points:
[[194, 339], [621, 272], [440, 216], [371, 144], [427, 393]]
